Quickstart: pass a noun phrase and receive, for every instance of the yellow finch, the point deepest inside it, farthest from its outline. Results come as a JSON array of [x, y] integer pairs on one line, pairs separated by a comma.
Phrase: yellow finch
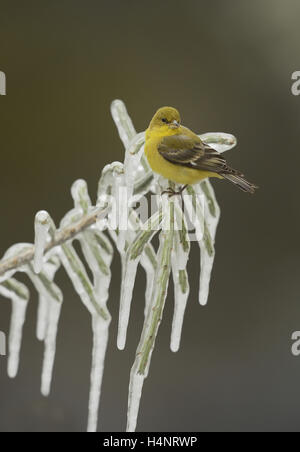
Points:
[[179, 155]]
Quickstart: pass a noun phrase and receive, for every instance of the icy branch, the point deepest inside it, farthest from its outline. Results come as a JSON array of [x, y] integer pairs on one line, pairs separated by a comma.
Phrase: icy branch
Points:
[[63, 235], [19, 295], [180, 256], [41, 227], [132, 258], [145, 348]]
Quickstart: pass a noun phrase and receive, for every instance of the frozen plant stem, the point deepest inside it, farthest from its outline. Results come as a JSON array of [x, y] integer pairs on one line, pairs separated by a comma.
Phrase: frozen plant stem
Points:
[[131, 260], [41, 227], [19, 295], [180, 256], [61, 236], [153, 318]]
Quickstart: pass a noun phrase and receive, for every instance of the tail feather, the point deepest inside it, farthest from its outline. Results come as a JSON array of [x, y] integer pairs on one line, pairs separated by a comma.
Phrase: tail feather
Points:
[[242, 183]]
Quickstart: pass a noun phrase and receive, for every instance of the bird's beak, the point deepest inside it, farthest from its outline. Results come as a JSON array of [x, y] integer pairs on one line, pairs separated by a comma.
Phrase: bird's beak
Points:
[[174, 125]]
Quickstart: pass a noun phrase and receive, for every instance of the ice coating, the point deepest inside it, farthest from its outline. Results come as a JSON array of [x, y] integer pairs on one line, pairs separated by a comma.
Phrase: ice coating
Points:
[[100, 338], [220, 141], [132, 258], [41, 228], [123, 122], [179, 260], [207, 254], [52, 296], [98, 253], [149, 264], [96, 247], [54, 309], [134, 399], [145, 348], [194, 201], [133, 155], [19, 295], [50, 268]]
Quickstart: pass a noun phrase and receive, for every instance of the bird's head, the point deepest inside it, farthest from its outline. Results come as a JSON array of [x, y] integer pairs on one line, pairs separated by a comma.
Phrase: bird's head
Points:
[[167, 117]]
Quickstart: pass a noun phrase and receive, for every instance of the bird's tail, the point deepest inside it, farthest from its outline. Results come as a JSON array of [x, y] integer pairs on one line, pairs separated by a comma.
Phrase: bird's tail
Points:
[[241, 182]]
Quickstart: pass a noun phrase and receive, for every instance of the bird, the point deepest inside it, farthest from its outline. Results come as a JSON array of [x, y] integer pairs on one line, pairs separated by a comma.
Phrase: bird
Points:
[[179, 155]]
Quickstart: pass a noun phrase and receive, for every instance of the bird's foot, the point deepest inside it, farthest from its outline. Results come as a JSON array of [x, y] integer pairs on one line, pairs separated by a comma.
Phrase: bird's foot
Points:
[[171, 192]]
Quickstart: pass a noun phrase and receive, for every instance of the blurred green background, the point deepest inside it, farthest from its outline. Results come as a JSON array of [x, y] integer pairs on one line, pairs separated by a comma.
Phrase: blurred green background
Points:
[[226, 65]]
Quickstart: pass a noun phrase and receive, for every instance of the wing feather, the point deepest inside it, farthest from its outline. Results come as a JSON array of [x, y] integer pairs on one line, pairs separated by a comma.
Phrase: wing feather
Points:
[[193, 153]]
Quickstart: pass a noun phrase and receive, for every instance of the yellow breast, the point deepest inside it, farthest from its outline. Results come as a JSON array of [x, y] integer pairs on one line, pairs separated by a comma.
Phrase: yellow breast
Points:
[[176, 173]]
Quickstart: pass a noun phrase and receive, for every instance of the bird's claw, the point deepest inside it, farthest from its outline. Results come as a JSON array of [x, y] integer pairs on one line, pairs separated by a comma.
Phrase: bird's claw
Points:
[[169, 191]]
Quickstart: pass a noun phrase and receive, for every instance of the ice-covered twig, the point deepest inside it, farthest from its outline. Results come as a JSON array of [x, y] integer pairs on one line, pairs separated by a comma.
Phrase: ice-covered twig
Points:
[[195, 205], [142, 361], [41, 228], [98, 254], [100, 338], [53, 297], [132, 257], [81, 281], [19, 295], [180, 256], [50, 268], [10, 264], [123, 122]]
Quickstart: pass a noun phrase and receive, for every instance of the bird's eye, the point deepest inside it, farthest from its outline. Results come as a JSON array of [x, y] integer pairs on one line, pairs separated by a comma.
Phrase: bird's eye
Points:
[[164, 120]]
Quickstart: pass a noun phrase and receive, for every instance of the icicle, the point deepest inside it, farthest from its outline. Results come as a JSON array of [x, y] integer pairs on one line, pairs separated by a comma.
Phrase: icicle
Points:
[[207, 254], [207, 262], [128, 278], [50, 345], [19, 295], [149, 264], [15, 335], [148, 259], [132, 159], [81, 282], [42, 318], [50, 268], [80, 195], [98, 254], [134, 398], [123, 122], [205, 232], [99, 262], [132, 258], [53, 297], [145, 348], [95, 246], [180, 256], [112, 189], [100, 338], [41, 227], [206, 221], [121, 200]]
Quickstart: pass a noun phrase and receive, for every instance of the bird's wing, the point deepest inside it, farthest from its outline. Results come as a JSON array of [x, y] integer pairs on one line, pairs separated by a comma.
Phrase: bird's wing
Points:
[[193, 153]]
